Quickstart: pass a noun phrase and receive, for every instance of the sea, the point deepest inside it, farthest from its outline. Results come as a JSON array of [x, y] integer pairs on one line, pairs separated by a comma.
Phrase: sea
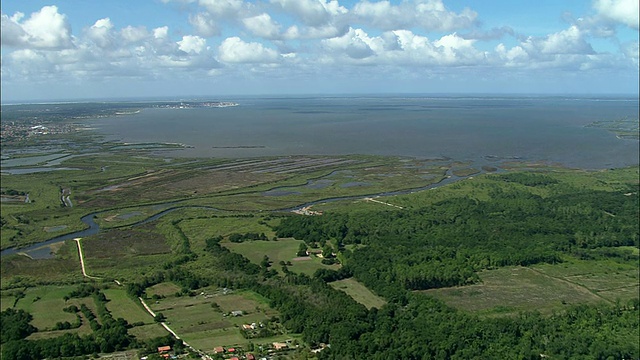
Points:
[[550, 129]]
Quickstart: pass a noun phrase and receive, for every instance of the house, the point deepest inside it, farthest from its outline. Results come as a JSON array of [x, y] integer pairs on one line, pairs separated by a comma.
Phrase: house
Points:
[[247, 327], [279, 345], [164, 349], [218, 350], [316, 252], [234, 358], [251, 357], [231, 350]]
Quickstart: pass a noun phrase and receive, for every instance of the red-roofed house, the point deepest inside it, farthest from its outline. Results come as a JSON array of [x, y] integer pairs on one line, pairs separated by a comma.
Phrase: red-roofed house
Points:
[[164, 349], [251, 357], [279, 345], [231, 350]]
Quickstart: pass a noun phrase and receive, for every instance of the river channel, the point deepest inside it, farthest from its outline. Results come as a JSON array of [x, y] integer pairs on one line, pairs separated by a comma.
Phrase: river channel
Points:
[[42, 250]]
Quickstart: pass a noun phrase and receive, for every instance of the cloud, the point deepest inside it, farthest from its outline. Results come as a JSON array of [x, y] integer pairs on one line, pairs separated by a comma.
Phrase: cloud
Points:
[[426, 14], [315, 32], [631, 51], [401, 48], [222, 8], [132, 34], [353, 44], [101, 33], [45, 29], [313, 38], [204, 25], [312, 12], [569, 41], [566, 49], [620, 11], [12, 33], [449, 50], [263, 26], [234, 50], [192, 44], [161, 32]]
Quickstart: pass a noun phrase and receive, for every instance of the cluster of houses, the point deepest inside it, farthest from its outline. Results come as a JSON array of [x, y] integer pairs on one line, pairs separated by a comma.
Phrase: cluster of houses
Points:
[[165, 352], [233, 353]]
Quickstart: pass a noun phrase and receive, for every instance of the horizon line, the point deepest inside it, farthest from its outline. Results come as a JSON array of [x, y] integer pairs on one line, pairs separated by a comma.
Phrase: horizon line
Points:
[[161, 98]]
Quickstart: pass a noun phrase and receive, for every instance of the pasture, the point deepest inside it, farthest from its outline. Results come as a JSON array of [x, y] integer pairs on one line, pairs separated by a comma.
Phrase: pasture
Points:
[[120, 305], [282, 250], [359, 293], [606, 279], [204, 325], [46, 304], [545, 287]]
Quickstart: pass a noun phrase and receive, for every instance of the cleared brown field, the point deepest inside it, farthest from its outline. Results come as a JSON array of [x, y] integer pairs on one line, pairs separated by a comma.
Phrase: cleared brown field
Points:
[[119, 243]]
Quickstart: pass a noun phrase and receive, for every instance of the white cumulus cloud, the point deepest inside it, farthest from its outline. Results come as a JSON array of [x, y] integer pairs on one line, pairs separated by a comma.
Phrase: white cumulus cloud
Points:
[[312, 12], [263, 26], [354, 44], [44, 29], [221, 8], [235, 50], [622, 11], [131, 34], [192, 44], [426, 14], [204, 24]]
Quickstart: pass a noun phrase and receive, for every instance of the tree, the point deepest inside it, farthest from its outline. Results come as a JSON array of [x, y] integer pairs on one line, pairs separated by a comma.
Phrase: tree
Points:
[[265, 263], [302, 250], [159, 317], [15, 325]]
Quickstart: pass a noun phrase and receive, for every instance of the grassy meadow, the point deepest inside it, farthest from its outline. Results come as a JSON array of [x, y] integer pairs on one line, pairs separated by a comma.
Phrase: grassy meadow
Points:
[[205, 327], [545, 287], [359, 293]]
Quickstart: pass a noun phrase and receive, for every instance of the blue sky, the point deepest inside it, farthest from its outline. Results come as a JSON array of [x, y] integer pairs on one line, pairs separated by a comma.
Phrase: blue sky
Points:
[[55, 50]]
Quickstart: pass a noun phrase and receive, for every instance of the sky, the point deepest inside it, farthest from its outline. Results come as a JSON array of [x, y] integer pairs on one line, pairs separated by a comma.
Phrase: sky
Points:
[[97, 49]]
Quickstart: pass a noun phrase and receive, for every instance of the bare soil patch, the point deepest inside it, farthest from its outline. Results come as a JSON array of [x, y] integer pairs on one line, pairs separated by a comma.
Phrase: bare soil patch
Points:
[[118, 243]]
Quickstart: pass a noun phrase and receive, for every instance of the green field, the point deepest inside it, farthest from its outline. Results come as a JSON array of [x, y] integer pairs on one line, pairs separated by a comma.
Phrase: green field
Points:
[[218, 197], [202, 326], [543, 288], [606, 279], [359, 293], [281, 250], [120, 305], [163, 289], [46, 305]]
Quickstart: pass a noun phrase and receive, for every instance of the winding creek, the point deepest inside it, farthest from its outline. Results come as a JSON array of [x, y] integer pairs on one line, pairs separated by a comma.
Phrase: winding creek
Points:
[[42, 249]]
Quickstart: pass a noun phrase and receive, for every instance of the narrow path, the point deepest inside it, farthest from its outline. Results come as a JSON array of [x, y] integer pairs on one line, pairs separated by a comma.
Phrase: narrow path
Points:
[[381, 202], [84, 272], [164, 325]]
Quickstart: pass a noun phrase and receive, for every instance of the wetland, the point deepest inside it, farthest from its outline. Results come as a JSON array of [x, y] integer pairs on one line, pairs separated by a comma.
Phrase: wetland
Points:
[[302, 213]]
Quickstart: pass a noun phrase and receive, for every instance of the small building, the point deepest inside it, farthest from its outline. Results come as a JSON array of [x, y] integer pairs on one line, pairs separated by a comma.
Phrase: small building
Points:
[[237, 313], [164, 349], [279, 345], [247, 327], [231, 350], [251, 357], [218, 350]]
